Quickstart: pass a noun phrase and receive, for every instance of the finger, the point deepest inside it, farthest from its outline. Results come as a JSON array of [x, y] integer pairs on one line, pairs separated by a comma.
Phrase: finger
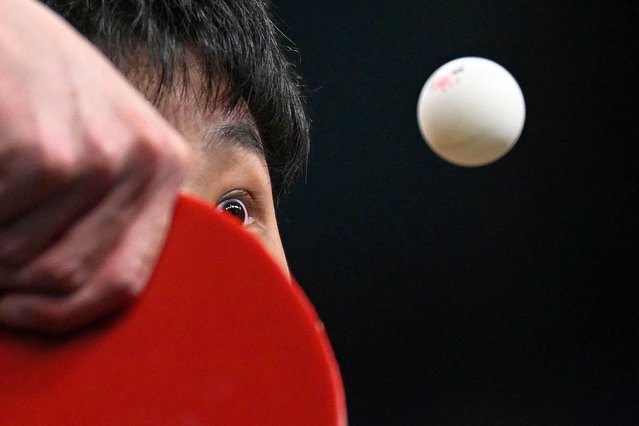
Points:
[[30, 173], [32, 232], [21, 193], [151, 180], [58, 314], [122, 277], [75, 255]]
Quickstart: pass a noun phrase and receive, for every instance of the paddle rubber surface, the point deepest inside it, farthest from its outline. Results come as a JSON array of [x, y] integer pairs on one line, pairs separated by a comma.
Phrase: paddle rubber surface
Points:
[[220, 337]]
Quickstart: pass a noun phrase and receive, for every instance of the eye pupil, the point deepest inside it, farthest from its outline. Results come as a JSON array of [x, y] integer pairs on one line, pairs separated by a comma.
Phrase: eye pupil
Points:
[[235, 208]]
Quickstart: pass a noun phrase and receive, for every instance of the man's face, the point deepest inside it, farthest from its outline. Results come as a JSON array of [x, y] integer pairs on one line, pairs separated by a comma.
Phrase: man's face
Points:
[[228, 168]]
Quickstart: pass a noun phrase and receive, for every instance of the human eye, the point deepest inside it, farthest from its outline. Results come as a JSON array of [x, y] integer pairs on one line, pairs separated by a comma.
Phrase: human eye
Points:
[[235, 203]]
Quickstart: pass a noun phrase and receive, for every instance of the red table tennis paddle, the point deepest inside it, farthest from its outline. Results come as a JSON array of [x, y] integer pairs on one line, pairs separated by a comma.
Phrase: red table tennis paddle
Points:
[[220, 337]]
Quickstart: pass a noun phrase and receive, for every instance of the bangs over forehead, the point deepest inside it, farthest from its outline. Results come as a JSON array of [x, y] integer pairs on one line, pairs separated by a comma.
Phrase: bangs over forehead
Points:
[[238, 48]]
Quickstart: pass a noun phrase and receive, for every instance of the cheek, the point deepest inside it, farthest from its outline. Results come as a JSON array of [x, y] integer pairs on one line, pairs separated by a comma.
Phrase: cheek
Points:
[[269, 237]]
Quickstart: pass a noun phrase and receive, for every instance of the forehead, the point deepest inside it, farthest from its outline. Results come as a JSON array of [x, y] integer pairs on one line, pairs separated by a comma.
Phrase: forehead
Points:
[[196, 107], [187, 85]]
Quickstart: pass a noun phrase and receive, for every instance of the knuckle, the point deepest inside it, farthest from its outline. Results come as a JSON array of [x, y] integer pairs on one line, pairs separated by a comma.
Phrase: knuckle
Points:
[[156, 149], [58, 162], [147, 153], [65, 276], [105, 301], [41, 157], [169, 156], [119, 292], [181, 154], [103, 171], [100, 162], [164, 142]]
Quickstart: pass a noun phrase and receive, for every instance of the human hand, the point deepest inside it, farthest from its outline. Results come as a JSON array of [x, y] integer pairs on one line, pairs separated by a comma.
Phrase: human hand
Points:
[[89, 173]]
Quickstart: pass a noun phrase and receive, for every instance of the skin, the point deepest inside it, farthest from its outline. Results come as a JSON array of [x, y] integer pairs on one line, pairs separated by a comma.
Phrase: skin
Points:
[[89, 171], [228, 162]]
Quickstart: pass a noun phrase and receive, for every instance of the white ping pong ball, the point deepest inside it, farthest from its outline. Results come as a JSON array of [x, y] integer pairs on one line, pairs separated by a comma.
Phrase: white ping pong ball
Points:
[[471, 111]]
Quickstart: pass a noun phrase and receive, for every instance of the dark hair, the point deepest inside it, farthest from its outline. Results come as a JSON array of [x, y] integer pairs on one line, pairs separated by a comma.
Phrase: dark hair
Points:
[[236, 43]]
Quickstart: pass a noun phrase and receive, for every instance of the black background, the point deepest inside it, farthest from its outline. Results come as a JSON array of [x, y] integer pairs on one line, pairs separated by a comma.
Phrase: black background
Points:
[[504, 294]]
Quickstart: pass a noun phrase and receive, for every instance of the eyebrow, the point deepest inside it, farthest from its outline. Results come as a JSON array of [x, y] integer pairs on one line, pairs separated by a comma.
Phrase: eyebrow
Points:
[[239, 134]]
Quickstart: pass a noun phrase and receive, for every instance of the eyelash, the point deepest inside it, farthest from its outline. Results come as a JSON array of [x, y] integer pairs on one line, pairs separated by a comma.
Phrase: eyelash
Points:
[[245, 199]]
